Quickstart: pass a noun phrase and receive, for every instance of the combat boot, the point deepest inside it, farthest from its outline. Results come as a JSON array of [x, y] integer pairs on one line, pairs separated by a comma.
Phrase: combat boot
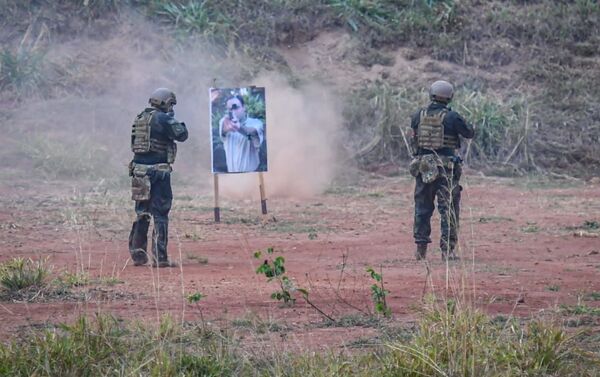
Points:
[[164, 263], [139, 257], [160, 238], [421, 251]]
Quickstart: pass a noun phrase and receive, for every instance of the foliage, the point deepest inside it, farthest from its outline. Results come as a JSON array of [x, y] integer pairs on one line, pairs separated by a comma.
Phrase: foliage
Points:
[[21, 71], [274, 269], [549, 47], [459, 341], [377, 118], [198, 17], [20, 273], [388, 21], [379, 293], [107, 347], [67, 159], [449, 341], [501, 133], [500, 126], [76, 279], [195, 297]]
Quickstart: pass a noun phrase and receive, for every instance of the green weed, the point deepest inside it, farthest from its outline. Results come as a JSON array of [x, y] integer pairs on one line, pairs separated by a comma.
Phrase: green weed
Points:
[[110, 280], [106, 346], [274, 269], [451, 341], [379, 293], [19, 273], [393, 21], [195, 297], [595, 296], [587, 225], [204, 18], [253, 322], [581, 309], [456, 341], [76, 279]]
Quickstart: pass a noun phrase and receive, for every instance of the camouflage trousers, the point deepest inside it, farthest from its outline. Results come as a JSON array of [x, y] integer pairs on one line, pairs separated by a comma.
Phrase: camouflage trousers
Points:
[[447, 190], [157, 207]]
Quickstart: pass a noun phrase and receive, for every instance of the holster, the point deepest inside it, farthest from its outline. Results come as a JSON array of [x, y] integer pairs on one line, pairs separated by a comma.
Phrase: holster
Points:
[[140, 179]]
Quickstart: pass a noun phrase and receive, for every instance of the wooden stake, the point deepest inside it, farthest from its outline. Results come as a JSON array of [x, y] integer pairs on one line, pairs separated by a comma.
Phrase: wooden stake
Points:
[[263, 197], [217, 209]]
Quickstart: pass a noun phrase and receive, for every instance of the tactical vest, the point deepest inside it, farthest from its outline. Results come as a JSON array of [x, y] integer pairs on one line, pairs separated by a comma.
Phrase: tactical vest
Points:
[[141, 142], [431, 132]]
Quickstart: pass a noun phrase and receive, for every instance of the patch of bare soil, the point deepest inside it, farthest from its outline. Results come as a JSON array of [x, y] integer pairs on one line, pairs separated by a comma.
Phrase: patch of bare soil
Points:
[[521, 247]]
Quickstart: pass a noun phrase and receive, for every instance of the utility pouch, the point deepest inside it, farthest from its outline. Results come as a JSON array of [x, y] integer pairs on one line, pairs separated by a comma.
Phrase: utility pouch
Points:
[[429, 167], [140, 183], [413, 167]]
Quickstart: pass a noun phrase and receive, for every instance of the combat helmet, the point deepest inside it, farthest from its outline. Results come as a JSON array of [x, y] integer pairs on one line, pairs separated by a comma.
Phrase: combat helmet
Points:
[[441, 91], [162, 98]]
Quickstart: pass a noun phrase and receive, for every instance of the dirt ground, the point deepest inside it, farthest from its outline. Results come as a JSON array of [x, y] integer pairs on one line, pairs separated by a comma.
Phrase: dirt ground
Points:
[[525, 245]]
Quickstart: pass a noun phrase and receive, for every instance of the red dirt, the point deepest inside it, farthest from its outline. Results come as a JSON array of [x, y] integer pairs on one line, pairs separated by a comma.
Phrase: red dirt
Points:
[[520, 254]]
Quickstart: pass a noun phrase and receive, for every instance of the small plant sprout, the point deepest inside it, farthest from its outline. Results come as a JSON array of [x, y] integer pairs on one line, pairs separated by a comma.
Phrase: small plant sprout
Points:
[[274, 269], [195, 297], [379, 293]]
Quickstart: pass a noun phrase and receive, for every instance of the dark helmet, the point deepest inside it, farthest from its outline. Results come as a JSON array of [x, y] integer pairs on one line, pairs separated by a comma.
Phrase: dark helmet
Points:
[[441, 91], [162, 98]]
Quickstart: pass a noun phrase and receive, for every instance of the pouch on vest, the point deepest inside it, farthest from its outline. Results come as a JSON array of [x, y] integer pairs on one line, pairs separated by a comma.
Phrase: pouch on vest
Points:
[[140, 183]]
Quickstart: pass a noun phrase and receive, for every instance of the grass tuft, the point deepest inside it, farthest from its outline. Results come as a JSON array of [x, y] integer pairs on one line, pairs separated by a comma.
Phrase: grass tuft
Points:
[[19, 273]]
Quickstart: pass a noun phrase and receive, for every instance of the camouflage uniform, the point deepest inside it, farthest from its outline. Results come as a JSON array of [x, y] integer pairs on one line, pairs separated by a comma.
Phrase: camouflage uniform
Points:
[[446, 186], [153, 168]]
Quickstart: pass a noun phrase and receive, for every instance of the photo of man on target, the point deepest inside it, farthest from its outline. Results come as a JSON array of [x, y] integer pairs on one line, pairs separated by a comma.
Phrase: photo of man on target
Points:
[[238, 130]]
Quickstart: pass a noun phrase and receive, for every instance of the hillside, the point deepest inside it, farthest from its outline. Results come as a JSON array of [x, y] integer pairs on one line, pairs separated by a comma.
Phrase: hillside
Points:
[[527, 75]]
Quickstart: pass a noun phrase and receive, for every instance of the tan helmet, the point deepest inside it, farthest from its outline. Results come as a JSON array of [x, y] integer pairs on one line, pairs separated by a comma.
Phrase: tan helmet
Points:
[[441, 91], [162, 98]]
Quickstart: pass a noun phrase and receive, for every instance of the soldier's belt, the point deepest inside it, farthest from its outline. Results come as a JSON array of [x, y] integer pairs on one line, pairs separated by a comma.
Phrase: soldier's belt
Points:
[[442, 161], [142, 169], [447, 163]]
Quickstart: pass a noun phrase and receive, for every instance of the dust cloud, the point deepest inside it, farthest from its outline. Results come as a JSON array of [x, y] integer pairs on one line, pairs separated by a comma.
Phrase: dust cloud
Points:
[[100, 84], [303, 141]]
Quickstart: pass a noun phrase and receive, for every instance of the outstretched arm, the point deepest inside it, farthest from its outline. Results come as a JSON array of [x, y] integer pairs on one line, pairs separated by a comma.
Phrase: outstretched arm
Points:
[[174, 129]]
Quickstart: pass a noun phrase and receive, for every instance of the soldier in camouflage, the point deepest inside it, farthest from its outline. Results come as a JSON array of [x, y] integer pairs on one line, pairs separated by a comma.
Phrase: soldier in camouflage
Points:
[[437, 169], [153, 137]]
